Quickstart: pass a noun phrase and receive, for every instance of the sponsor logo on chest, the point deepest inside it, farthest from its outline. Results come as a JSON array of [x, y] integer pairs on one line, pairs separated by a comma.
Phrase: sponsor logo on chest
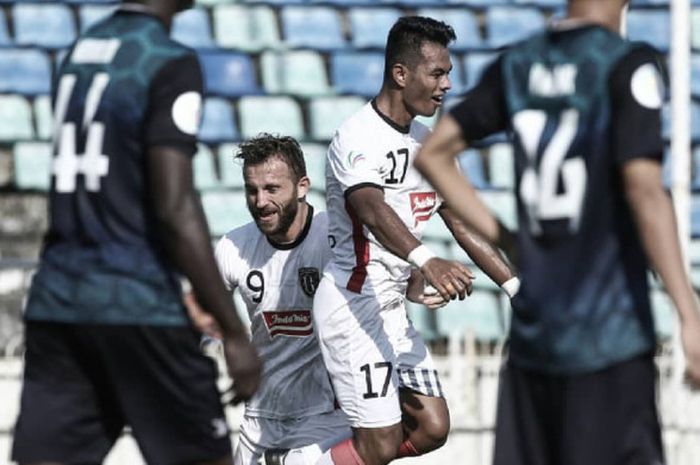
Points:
[[295, 323], [422, 205]]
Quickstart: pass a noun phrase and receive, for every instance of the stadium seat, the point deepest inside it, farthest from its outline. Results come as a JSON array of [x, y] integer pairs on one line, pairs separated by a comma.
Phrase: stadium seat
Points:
[[32, 161], [191, 27], [230, 168], [5, 39], [273, 114], [435, 230], [472, 165], [15, 118], [508, 24], [695, 216], [503, 205], [423, 320], [218, 122], [24, 71], [358, 73], [479, 314], [327, 113], [224, 210], [204, 168], [315, 159], [695, 28], [464, 22], [317, 199], [228, 74], [479, 3], [545, 3], [299, 72], [49, 25], [695, 121], [43, 117], [501, 166], [457, 79], [694, 252], [652, 26], [664, 314], [370, 26], [246, 28], [315, 27], [91, 14], [474, 66], [211, 3], [695, 75]]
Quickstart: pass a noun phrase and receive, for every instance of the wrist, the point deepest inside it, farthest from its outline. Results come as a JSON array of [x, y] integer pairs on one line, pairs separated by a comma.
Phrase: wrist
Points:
[[419, 256], [511, 286]]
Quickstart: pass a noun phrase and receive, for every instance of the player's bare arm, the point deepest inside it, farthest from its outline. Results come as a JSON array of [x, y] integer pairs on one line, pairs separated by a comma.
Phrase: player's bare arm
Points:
[[185, 233], [450, 278], [656, 222]]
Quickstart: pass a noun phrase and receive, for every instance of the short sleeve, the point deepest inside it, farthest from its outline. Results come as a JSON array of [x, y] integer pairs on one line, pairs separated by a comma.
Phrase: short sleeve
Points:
[[482, 112], [637, 92], [227, 257], [175, 105], [352, 166]]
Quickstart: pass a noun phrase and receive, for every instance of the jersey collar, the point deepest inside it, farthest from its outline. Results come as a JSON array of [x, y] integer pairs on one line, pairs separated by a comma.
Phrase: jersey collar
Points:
[[387, 120], [300, 238]]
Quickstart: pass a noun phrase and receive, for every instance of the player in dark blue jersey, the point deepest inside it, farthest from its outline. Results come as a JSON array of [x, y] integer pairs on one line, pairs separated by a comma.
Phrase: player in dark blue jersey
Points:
[[583, 107], [108, 339]]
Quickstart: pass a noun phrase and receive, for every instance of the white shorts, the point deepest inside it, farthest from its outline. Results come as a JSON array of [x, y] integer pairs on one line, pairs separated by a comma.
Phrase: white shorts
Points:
[[260, 434], [370, 351]]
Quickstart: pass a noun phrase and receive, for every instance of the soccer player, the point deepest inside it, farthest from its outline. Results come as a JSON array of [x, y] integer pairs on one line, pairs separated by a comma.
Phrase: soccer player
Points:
[[108, 341], [583, 105], [381, 370]]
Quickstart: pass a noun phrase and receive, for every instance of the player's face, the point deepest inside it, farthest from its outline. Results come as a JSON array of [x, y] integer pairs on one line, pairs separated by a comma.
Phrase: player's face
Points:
[[428, 82], [272, 196]]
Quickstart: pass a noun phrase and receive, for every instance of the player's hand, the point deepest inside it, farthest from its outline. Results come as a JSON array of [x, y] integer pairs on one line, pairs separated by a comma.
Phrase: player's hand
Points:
[[690, 336], [244, 366], [203, 321], [450, 278], [420, 292], [431, 298]]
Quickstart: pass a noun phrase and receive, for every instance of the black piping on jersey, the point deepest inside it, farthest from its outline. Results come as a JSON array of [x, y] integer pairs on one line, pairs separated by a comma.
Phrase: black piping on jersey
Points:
[[352, 189], [300, 238], [387, 120]]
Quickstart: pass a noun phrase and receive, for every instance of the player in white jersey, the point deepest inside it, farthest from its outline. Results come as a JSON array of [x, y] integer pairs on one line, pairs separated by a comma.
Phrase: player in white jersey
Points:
[[382, 372]]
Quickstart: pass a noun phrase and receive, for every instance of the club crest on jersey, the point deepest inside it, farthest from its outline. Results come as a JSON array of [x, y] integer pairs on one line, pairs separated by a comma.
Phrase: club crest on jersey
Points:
[[422, 205], [309, 279], [295, 323], [355, 157]]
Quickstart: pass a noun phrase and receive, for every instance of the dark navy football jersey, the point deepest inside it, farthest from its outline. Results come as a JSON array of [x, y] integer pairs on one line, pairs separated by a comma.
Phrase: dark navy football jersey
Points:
[[123, 87], [578, 103]]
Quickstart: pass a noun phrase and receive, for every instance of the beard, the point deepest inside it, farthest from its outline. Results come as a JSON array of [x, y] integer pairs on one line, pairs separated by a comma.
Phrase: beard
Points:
[[286, 215]]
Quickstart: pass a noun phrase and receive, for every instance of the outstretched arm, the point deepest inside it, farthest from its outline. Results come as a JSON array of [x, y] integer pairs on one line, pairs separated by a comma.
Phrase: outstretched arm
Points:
[[653, 212]]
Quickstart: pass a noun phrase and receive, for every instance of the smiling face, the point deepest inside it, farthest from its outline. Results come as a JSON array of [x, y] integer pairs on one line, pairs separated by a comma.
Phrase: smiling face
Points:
[[427, 82], [272, 195]]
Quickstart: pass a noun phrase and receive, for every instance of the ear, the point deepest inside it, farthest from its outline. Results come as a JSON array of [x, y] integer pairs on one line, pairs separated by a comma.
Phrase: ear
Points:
[[399, 73], [303, 186]]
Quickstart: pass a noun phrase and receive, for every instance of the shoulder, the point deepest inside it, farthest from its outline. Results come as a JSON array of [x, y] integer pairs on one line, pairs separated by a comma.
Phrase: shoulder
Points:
[[419, 131], [354, 130]]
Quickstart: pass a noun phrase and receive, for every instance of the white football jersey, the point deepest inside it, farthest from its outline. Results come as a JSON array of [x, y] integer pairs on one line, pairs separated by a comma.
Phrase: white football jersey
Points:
[[369, 149], [277, 284]]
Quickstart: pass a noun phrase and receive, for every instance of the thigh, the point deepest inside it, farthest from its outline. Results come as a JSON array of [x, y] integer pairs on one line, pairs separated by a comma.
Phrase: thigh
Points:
[[68, 412], [167, 389], [359, 356], [611, 416]]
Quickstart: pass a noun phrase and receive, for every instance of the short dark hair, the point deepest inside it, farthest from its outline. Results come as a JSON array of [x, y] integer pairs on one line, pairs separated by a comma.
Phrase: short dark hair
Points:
[[407, 36], [265, 146]]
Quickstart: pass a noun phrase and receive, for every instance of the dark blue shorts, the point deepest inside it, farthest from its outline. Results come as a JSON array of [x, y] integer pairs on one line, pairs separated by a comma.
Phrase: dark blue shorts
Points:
[[84, 383]]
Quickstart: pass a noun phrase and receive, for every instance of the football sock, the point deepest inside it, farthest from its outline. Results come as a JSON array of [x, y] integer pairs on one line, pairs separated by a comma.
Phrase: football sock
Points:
[[341, 454]]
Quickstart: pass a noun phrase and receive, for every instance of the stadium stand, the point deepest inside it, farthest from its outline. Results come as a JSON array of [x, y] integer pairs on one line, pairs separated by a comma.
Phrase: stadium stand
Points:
[[15, 118], [231, 169], [370, 26], [4, 34], [218, 121], [652, 26], [506, 24], [42, 117], [246, 28], [464, 22], [48, 25], [359, 73], [191, 27], [204, 166], [327, 113], [228, 74], [273, 114], [297, 72], [32, 161], [25, 71], [90, 14], [315, 27]]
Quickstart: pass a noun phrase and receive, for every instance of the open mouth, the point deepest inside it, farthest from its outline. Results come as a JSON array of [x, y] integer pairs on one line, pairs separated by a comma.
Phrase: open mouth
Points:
[[437, 99]]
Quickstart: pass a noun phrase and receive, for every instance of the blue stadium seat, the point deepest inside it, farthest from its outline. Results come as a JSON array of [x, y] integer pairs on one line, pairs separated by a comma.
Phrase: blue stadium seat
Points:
[[231, 169], [204, 167], [479, 3], [546, 3], [4, 34], [315, 27], [24, 71], [464, 22], [32, 165], [91, 14], [472, 165], [480, 314], [652, 26], [474, 65], [507, 24], [49, 25], [457, 78], [191, 27], [273, 114], [218, 122], [228, 74], [370, 26], [359, 73]]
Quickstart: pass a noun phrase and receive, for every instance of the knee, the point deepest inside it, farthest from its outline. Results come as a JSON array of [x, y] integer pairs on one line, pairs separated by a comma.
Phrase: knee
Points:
[[378, 446]]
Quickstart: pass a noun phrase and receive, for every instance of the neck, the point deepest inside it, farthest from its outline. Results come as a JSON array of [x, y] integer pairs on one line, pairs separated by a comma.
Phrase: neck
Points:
[[605, 13], [295, 229], [163, 10], [390, 102]]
